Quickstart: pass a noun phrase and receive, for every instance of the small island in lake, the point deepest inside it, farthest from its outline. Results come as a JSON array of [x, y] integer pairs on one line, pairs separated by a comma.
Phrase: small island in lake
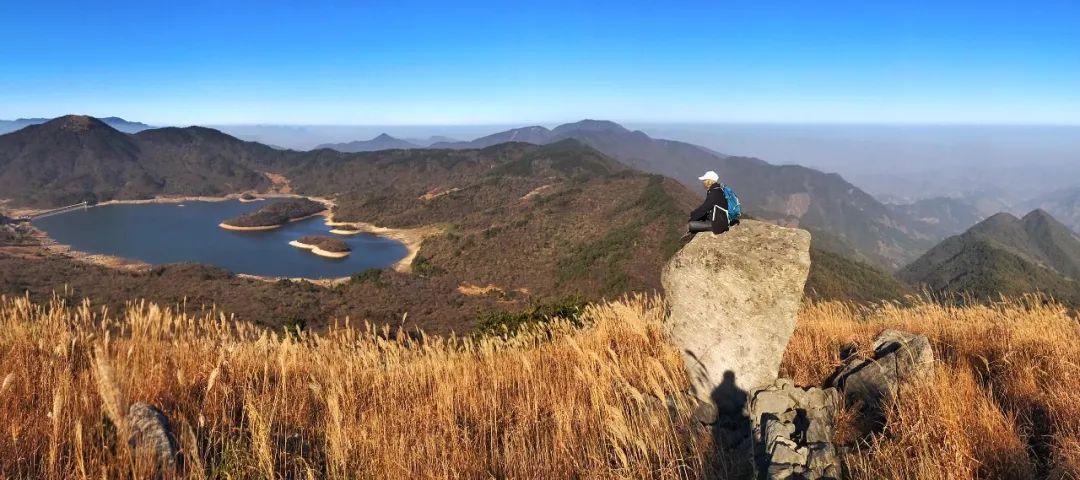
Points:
[[274, 215], [323, 246]]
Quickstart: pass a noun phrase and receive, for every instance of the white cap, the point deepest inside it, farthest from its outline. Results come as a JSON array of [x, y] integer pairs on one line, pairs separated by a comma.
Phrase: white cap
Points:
[[710, 175]]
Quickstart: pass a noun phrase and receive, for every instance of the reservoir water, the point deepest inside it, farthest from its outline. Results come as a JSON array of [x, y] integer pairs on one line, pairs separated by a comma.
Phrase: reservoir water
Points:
[[158, 233]]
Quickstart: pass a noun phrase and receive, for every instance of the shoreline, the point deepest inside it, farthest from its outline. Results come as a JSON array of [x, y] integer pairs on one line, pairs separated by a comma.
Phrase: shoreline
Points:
[[202, 198], [411, 238], [226, 226], [302, 245], [27, 211], [328, 254], [318, 251]]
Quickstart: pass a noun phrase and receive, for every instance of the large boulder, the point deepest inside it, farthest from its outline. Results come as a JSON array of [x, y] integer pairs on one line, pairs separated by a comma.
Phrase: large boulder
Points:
[[899, 359], [152, 436], [734, 299]]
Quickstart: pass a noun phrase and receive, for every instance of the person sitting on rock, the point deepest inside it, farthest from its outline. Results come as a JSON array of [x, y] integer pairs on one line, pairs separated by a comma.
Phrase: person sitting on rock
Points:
[[720, 210]]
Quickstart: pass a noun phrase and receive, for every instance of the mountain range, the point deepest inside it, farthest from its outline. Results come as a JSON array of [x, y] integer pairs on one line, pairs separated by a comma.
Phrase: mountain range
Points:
[[1004, 255], [570, 212], [7, 126], [381, 142], [843, 218], [538, 222], [545, 221], [75, 158]]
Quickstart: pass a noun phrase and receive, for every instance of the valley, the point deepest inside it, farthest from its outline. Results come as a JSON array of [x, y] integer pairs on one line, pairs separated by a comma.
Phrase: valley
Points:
[[553, 214], [557, 220], [556, 213]]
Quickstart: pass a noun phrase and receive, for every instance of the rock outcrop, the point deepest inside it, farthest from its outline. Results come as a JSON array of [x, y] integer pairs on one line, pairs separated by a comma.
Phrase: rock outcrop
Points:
[[899, 358], [734, 299], [151, 436], [793, 431]]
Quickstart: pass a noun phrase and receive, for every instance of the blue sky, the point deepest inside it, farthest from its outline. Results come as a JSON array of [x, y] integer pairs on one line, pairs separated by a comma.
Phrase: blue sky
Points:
[[510, 62]]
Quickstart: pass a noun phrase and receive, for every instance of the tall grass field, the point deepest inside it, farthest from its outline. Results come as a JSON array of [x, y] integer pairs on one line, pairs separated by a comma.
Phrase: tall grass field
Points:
[[603, 400]]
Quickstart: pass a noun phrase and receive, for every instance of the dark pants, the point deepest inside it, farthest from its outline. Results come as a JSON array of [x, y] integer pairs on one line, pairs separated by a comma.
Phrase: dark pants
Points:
[[698, 226]]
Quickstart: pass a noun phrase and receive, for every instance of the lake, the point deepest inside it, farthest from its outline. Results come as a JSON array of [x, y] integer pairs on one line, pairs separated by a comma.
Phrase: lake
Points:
[[158, 233]]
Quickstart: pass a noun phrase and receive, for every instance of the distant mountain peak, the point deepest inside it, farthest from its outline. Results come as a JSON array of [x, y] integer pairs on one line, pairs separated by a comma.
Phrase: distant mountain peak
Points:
[[73, 119], [76, 123], [590, 125], [1038, 214], [383, 141], [1000, 218], [1004, 255]]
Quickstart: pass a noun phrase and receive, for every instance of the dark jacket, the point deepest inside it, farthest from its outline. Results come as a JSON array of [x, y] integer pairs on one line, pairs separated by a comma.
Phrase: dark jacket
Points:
[[715, 196]]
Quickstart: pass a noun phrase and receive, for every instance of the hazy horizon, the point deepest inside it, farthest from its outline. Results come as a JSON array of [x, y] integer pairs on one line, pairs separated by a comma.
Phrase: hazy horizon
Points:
[[894, 162], [904, 100]]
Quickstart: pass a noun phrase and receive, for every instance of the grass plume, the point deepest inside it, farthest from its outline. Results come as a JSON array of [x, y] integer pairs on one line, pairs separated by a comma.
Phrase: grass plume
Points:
[[555, 400]]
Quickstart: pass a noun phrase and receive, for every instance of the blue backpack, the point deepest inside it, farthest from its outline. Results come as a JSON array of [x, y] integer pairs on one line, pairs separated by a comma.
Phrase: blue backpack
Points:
[[734, 207]]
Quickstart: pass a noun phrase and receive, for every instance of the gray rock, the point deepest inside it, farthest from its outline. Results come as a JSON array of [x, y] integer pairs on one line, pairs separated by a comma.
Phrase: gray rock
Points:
[[775, 430], [734, 299], [821, 456], [792, 431], [786, 452], [904, 355], [151, 435], [899, 359], [779, 472], [773, 401], [820, 426]]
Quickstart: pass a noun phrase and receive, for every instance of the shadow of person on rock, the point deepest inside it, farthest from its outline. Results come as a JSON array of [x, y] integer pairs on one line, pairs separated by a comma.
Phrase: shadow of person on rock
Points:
[[731, 432]]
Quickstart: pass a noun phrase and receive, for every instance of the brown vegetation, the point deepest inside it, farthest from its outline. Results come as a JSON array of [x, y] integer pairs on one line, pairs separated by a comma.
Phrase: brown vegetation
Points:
[[588, 225], [349, 403], [16, 234], [553, 401], [431, 303], [1004, 403], [277, 213], [325, 243], [278, 183]]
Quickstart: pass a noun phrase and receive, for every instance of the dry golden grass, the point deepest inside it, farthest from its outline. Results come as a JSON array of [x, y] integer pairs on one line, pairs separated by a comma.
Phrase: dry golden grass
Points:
[[246, 403], [1005, 402], [550, 403]]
